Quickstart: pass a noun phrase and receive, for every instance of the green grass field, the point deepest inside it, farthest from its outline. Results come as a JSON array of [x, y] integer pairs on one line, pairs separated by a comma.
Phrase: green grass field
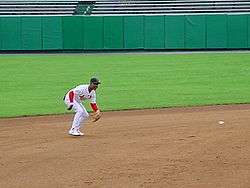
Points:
[[35, 84]]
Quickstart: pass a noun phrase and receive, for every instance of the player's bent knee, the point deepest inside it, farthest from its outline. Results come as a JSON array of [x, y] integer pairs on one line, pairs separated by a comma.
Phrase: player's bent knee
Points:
[[86, 115], [83, 114]]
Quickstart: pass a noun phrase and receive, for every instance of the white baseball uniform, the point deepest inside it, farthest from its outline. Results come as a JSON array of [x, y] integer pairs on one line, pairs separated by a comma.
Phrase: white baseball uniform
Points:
[[75, 97]]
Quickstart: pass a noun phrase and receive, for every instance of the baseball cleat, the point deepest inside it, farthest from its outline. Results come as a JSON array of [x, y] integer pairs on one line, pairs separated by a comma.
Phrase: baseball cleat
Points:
[[74, 132], [81, 134], [70, 131]]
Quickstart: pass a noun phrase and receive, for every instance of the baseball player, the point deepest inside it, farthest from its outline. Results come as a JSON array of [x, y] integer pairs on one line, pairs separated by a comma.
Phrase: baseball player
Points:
[[73, 100]]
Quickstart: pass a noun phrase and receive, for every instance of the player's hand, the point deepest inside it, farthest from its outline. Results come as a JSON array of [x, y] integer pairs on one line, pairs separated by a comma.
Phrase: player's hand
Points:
[[96, 116], [70, 107]]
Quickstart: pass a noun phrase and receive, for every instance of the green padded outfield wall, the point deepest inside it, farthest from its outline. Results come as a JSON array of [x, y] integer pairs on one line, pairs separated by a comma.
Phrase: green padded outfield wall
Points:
[[248, 31], [195, 32], [10, 33], [133, 32], [73, 32], [113, 32], [221, 31], [52, 37], [174, 32], [216, 31], [237, 31], [93, 33], [31, 33], [154, 28]]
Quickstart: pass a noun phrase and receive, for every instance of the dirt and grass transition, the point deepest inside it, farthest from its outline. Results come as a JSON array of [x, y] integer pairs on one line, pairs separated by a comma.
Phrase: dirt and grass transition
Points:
[[152, 147]]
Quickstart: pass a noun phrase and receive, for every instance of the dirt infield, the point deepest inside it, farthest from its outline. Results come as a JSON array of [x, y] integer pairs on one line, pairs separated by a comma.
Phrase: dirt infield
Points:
[[176, 147]]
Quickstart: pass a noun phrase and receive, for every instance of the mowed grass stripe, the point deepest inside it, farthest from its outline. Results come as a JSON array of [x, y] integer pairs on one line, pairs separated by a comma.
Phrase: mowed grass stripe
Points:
[[35, 84]]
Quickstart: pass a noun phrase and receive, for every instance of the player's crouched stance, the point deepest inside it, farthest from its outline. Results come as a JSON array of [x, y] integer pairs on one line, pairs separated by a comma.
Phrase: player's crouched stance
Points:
[[73, 100]]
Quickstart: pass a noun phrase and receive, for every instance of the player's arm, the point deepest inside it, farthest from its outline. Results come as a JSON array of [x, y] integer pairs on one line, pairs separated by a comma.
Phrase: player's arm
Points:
[[93, 104], [73, 94], [71, 99], [97, 114], [95, 108]]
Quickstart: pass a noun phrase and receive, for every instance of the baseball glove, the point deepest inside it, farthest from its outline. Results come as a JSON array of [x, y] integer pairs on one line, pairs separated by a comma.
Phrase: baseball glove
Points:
[[96, 116]]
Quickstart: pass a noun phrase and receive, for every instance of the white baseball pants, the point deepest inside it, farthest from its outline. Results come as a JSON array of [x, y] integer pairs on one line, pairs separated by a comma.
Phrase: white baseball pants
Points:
[[80, 115]]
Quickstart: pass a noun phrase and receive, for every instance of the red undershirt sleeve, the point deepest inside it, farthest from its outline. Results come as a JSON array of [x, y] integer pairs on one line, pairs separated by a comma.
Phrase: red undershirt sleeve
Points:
[[94, 106], [71, 96]]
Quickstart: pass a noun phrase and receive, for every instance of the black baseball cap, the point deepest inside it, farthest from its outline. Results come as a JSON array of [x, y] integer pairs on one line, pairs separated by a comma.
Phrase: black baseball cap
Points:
[[95, 81]]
